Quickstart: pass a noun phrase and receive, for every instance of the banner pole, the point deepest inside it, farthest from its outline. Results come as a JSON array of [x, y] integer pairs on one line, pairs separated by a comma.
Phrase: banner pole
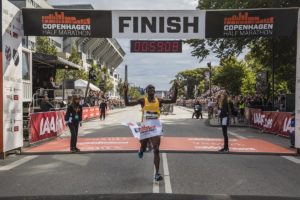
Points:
[[2, 155], [297, 92]]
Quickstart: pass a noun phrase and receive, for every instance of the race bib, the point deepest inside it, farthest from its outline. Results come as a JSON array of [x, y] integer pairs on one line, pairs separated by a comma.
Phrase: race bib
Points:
[[146, 129]]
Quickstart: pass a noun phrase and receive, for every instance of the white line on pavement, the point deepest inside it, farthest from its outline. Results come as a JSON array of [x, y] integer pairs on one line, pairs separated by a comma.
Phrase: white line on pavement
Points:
[[168, 188], [236, 135], [155, 184], [17, 163], [293, 159]]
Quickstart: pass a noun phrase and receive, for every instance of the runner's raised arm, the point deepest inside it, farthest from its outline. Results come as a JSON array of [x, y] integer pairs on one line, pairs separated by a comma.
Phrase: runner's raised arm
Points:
[[174, 97], [131, 103]]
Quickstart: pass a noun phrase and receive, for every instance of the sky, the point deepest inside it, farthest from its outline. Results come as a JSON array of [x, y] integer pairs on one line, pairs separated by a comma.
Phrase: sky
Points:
[[155, 68]]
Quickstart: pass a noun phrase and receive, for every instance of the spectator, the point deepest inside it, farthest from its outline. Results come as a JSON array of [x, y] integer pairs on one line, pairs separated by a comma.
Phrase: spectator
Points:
[[292, 131], [45, 104], [51, 87], [102, 108]]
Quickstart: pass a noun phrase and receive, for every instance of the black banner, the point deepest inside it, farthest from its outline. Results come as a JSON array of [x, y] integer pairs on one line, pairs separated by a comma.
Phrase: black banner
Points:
[[251, 23], [72, 23]]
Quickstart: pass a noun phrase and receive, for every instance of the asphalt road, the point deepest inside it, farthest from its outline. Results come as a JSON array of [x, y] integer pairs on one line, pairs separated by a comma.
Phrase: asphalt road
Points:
[[220, 175]]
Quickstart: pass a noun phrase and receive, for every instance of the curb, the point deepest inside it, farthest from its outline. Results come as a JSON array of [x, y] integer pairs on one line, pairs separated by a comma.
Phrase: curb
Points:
[[164, 151]]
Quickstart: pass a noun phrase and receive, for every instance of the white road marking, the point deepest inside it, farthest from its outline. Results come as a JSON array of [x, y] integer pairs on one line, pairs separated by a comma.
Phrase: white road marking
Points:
[[155, 184], [236, 135], [168, 187], [291, 158], [17, 163]]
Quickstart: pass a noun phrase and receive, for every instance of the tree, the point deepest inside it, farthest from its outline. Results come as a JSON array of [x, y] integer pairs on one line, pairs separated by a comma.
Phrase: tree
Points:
[[74, 57], [104, 80], [191, 79], [62, 74], [44, 45], [234, 76], [134, 93], [260, 48]]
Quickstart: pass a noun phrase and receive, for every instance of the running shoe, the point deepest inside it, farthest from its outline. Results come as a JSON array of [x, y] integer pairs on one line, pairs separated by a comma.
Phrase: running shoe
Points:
[[140, 154], [158, 177], [224, 150]]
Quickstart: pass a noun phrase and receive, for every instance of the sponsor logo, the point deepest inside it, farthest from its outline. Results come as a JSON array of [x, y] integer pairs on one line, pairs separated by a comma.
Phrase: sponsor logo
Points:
[[51, 125], [287, 125], [146, 129], [16, 57], [245, 25], [16, 128], [8, 53], [262, 120], [155, 24], [59, 24], [16, 97]]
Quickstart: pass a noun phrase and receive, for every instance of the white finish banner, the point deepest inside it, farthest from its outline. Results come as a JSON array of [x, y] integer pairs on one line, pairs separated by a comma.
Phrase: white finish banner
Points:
[[164, 24]]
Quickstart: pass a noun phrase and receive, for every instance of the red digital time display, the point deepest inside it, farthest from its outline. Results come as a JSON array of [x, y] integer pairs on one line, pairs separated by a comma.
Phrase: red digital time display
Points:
[[156, 46]]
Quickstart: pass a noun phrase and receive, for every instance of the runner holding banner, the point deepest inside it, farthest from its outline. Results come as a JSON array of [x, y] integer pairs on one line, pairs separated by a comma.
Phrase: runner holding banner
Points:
[[150, 129]]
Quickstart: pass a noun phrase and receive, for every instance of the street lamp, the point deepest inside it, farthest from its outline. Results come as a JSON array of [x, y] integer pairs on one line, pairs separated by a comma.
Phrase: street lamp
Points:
[[210, 72]]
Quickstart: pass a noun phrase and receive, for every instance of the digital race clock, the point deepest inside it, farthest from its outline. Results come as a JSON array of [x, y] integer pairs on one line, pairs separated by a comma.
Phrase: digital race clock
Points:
[[156, 46]]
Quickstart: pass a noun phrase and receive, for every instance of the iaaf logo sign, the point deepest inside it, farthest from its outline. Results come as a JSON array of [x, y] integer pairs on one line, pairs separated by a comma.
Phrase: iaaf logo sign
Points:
[[59, 24], [261, 120], [287, 125], [53, 124], [245, 25]]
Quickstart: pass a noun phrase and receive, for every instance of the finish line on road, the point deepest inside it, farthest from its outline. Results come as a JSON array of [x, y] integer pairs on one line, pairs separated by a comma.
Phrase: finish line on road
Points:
[[168, 144]]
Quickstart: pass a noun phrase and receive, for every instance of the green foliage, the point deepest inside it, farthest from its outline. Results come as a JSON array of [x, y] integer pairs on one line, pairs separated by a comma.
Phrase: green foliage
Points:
[[234, 76], [104, 80], [134, 93], [74, 57], [62, 74], [120, 88], [190, 79], [260, 48], [44, 45], [248, 82]]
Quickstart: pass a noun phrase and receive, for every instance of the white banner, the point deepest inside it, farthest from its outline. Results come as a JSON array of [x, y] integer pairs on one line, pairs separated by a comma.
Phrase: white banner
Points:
[[144, 130], [164, 24], [12, 77]]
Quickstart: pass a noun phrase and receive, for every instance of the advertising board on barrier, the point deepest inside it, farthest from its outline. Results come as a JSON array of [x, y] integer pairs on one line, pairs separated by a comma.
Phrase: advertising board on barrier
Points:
[[272, 122], [11, 78], [45, 125]]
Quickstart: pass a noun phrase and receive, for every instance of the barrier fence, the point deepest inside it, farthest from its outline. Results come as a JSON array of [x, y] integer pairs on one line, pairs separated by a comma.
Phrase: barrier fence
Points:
[[278, 123], [45, 125]]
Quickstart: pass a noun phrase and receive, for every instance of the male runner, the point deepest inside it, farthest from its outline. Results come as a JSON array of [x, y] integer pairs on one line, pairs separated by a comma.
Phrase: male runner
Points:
[[151, 104]]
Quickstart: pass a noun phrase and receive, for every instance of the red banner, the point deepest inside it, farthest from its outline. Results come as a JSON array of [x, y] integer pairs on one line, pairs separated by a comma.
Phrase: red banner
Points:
[[90, 113], [46, 125], [271, 122]]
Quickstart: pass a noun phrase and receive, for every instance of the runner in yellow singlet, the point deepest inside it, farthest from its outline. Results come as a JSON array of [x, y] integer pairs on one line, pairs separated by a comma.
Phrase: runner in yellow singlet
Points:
[[151, 110]]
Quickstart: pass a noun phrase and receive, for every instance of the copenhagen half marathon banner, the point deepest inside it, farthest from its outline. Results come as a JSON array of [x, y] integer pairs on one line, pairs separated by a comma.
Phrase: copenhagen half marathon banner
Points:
[[114, 24], [158, 24], [251, 23]]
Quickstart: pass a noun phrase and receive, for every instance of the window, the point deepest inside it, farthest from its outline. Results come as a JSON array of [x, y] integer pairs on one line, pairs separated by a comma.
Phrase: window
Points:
[[25, 66]]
